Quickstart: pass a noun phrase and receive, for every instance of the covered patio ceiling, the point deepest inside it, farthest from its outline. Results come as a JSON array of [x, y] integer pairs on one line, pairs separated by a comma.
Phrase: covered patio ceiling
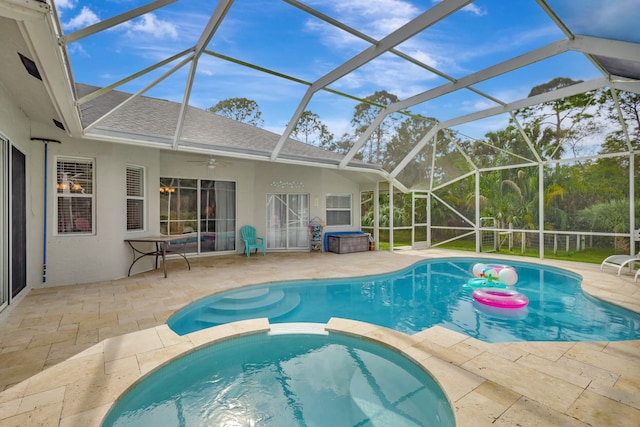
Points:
[[463, 65]]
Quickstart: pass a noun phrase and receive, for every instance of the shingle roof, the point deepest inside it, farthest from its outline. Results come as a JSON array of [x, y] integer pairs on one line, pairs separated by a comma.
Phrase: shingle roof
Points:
[[152, 119]]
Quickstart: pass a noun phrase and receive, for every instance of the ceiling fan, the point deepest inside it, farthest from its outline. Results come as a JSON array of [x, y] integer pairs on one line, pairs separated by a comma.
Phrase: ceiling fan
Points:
[[211, 162]]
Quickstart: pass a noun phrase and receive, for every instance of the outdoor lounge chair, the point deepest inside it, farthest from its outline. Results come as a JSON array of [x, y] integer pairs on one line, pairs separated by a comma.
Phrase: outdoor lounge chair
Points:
[[250, 240], [620, 261]]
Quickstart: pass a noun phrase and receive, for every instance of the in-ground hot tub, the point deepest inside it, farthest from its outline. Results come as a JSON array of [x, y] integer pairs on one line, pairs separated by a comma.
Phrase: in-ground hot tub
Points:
[[298, 379]]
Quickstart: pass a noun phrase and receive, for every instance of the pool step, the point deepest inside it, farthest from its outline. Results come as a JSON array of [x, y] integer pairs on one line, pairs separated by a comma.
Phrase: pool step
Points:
[[212, 317], [250, 295], [248, 301]]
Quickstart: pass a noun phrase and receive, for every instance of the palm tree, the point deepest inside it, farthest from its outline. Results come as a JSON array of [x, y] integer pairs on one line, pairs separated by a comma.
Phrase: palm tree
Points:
[[610, 216]]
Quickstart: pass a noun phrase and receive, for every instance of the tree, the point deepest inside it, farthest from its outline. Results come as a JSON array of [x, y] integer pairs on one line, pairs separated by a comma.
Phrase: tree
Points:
[[630, 110], [610, 216], [502, 147], [401, 216], [509, 199], [409, 133], [555, 124], [630, 107], [311, 130], [343, 145], [240, 109], [364, 115]]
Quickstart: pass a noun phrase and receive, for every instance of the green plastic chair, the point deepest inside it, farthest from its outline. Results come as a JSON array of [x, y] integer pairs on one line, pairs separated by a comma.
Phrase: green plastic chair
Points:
[[250, 240]]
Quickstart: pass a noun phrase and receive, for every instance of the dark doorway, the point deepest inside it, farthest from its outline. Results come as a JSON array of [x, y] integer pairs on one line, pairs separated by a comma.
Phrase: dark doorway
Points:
[[18, 248]]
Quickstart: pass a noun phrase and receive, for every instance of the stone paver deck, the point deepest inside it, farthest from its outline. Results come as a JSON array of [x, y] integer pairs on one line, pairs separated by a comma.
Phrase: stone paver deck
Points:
[[67, 353]]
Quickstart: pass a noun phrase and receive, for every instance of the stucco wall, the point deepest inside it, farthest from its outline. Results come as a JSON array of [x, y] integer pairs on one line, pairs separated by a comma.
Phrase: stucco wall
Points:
[[255, 179], [104, 256]]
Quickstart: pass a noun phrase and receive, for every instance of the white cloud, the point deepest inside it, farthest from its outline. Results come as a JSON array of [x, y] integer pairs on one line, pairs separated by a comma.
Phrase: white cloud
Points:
[[338, 125], [473, 8], [376, 19], [334, 37], [66, 4], [425, 58], [151, 25], [478, 105], [479, 128], [78, 49], [388, 73], [83, 19]]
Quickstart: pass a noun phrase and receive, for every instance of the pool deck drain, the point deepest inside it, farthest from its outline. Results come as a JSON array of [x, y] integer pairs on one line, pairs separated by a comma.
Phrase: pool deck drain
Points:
[[67, 353]]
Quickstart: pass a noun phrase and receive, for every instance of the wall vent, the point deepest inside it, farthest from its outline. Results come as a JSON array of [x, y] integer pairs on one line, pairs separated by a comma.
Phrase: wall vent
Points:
[[30, 66], [58, 124]]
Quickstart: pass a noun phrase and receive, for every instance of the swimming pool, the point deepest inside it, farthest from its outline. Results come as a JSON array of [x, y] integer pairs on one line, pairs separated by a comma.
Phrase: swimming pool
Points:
[[287, 380], [429, 293]]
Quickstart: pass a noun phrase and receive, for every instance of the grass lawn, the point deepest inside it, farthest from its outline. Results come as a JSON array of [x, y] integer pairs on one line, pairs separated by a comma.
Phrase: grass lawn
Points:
[[589, 255]]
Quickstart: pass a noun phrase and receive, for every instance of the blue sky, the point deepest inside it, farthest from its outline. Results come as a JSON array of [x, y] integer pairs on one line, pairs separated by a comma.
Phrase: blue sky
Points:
[[280, 37]]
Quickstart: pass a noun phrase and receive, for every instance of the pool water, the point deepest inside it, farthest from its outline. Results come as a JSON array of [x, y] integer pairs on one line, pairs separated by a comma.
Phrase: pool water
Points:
[[287, 380], [429, 293]]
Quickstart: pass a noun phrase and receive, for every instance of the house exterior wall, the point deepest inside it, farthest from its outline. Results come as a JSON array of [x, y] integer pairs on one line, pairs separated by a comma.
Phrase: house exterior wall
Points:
[[104, 256], [334, 182], [316, 182], [254, 180]]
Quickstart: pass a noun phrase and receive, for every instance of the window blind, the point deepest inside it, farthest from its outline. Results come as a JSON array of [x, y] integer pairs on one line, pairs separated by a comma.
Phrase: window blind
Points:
[[338, 209], [75, 193], [135, 198]]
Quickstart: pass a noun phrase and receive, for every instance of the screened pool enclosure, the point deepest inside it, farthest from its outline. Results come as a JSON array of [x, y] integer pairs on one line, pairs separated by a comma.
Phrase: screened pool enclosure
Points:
[[498, 124]]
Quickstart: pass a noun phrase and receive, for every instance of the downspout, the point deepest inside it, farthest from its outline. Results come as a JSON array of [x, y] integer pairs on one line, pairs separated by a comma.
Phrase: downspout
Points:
[[44, 192], [44, 219]]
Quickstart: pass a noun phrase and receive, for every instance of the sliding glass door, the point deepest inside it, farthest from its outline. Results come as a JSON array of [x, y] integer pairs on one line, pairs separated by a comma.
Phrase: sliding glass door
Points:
[[287, 221], [4, 223]]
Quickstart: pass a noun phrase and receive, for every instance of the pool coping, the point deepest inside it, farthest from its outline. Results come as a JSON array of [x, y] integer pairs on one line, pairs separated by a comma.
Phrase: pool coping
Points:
[[456, 362], [387, 338], [130, 358]]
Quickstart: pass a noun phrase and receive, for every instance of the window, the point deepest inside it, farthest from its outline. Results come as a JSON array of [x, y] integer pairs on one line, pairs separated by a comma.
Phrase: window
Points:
[[178, 205], [135, 198], [204, 210], [75, 195], [338, 209]]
